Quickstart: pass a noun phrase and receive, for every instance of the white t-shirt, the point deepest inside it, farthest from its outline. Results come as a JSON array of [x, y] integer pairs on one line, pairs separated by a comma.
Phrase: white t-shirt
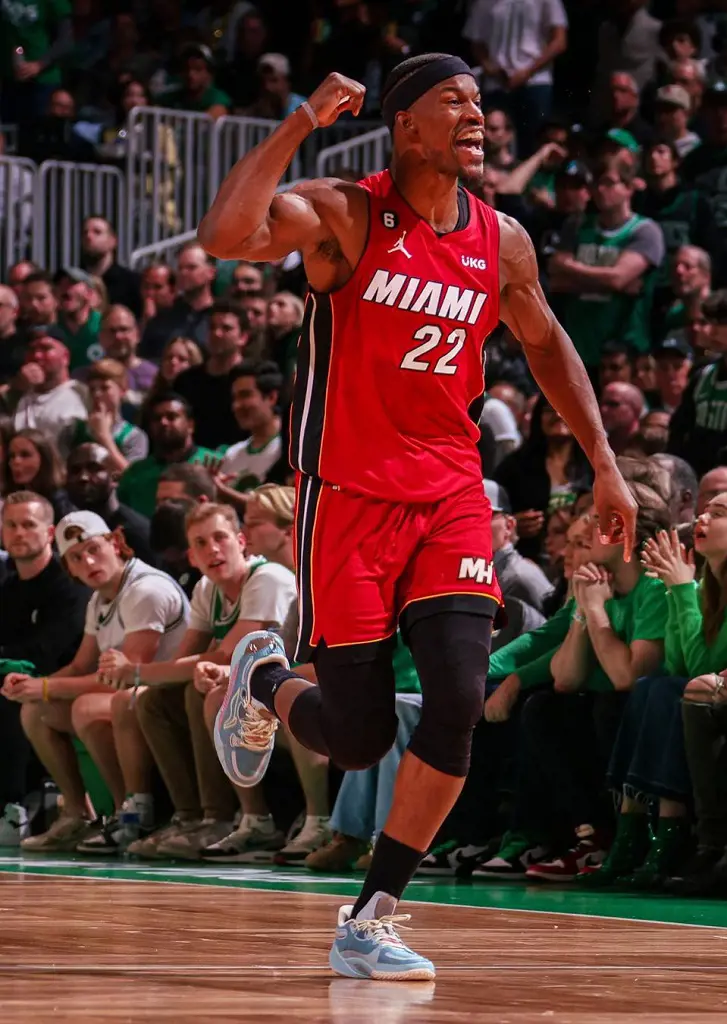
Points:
[[515, 32], [266, 597], [250, 466], [148, 599], [55, 412]]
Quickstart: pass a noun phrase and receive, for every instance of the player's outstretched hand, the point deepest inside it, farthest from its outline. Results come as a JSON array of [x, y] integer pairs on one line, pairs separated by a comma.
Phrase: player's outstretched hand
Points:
[[616, 508], [335, 95]]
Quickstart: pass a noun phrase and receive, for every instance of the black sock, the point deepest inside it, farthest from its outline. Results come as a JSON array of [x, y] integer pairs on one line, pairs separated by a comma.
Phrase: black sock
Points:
[[392, 867], [265, 681]]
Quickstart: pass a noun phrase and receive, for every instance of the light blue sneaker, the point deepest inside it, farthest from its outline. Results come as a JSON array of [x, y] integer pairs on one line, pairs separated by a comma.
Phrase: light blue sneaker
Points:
[[244, 738], [372, 949]]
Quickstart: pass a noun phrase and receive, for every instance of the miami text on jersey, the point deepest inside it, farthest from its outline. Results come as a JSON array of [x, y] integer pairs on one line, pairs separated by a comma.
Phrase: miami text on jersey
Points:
[[430, 297]]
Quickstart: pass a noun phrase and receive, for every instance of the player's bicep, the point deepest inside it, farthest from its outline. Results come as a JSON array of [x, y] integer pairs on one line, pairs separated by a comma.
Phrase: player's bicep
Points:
[[292, 223]]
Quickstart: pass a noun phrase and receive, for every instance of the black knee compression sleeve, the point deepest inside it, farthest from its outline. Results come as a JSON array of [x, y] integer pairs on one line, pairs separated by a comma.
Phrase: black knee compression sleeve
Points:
[[451, 652]]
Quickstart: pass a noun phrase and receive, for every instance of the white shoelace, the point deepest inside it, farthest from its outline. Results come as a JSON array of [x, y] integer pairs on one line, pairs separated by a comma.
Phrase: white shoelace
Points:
[[255, 731], [383, 928]]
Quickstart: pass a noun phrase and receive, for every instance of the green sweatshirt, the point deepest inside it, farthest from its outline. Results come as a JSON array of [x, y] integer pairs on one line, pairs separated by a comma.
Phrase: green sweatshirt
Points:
[[529, 655], [687, 652]]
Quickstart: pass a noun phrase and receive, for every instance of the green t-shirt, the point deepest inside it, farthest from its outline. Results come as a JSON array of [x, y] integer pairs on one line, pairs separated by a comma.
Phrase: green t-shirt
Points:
[[138, 483], [212, 97], [676, 318], [529, 655], [29, 23], [592, 319], [639, 615], [686, 650], [84, 346]]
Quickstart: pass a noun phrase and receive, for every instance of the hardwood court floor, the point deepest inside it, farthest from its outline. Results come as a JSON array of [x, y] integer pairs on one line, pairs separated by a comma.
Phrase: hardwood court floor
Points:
[[84, 943]]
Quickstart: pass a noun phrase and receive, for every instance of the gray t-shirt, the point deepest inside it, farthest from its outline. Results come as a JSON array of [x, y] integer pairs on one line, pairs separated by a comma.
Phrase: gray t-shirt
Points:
[[646, 239]]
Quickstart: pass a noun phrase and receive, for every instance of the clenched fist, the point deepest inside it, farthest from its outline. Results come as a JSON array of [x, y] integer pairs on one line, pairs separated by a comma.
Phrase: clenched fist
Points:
[[208, 676], [335, 95]]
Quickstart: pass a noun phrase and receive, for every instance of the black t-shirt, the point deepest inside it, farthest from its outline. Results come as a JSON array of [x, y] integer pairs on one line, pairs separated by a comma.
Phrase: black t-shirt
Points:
[[180, 320], [41, 620], [12, 355], [124, 288], [211, 401]]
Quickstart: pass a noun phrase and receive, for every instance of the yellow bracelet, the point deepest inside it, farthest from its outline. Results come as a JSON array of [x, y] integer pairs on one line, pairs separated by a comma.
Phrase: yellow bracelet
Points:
[[44, 682]]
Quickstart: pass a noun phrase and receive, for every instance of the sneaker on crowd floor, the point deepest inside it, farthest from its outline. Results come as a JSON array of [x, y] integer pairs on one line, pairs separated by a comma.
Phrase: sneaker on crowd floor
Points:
[[589, 852], [517, 853], [189, 843], [449, 858], [316, 832], [14, 825], [254, 841], [369, 946], [63, 836], [119, 831], [148, 847], [341, 853], [104, 842], [244, 732], [705, 874]]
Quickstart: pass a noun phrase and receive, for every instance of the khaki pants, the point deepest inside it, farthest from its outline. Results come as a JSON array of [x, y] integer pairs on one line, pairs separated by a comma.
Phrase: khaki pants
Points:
[[172, 721]]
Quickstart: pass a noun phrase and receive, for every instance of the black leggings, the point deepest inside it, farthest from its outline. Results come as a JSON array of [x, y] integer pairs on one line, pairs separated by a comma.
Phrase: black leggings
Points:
[[350, 715]]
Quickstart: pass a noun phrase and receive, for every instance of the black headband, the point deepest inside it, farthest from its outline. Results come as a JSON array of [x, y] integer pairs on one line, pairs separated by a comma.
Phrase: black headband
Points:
[[420, 80]]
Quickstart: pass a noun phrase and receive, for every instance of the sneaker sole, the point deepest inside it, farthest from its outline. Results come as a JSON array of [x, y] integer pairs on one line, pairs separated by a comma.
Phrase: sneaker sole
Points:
[[544, 877], [229, 755], [354, 968], [251, 857], [479, 873]]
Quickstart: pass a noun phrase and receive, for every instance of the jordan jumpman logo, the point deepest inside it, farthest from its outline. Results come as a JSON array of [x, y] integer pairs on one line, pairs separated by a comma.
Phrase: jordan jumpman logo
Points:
[[399, 246]]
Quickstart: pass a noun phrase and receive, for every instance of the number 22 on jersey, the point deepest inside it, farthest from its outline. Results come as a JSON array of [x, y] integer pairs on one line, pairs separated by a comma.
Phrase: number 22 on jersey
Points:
[[430, 335]]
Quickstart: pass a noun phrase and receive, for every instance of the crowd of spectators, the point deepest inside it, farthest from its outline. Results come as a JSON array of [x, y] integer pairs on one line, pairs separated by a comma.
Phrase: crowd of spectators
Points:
[[147, 516]]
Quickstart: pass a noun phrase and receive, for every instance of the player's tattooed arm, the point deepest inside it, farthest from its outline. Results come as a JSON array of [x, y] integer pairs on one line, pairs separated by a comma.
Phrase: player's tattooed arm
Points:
[[560, 374], [325, 219]]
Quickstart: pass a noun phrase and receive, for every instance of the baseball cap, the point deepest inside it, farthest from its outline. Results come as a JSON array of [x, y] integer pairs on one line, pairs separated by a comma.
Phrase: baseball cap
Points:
[[574, 172], [47, 331], [78, 527], [674, 344], [498, 497], [674, 96], [277, 61]]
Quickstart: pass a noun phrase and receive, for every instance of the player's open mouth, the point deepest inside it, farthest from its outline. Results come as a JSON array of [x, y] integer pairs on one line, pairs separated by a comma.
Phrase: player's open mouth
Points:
[[471, 142]]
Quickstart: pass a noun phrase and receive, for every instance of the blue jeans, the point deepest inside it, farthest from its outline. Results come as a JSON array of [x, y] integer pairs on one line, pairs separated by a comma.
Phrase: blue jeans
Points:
[[364, 799]]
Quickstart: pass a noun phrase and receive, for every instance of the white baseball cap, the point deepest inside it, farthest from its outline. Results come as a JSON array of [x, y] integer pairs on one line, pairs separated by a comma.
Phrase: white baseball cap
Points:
[[78, 527]]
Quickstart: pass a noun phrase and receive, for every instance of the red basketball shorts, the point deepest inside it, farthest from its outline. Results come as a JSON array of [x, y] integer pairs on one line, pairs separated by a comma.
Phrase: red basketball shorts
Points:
[[364, 563]]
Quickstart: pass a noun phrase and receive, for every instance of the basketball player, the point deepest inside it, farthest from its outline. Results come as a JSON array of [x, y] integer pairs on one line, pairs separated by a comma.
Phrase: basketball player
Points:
[[408, 275]]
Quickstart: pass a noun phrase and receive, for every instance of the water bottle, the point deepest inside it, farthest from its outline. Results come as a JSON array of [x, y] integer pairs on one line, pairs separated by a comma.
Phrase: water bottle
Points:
[[129, 822]]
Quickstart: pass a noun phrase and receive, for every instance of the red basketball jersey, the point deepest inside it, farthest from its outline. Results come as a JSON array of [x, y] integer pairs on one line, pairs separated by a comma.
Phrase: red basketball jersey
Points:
[[390, 371]]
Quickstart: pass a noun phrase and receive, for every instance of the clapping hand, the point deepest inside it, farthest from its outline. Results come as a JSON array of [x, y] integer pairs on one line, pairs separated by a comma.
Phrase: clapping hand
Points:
[[665, 558]]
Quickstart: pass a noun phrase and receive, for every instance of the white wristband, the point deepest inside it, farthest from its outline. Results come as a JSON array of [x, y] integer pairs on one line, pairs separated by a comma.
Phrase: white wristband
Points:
[[305, 105]]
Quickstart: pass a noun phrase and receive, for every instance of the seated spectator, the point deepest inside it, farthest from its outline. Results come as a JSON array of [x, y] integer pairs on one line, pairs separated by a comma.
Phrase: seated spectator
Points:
[[79, 322], [208, 387], [19, 273], [38, 302], [712, 483], [652, 437], [133, 607], [616, 635], [168, 540], [34, 638], [198, 91], [518, 577], [672, 113], [99, 243], [556, 534], [119, 339], [186, 480], [107, 382], [673, 367], [275, 99], [285, 317], [188, 316], [158, 291], [50, 401], [698, 428], [624, 122], [235, 596], [547, 472], [684, 487], [178, 354], [622, 406], [688, 74], [171, 430], [512, 397], [31, 462], [255, 402], [11, 343], [499, 140], [606, 266], [91, 483], [644, 375], [247, 279], [691, 283], [499, 419], [648, 759], [614, 365]]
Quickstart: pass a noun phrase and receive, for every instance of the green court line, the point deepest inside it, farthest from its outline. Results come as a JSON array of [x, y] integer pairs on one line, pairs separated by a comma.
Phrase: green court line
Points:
[[513, 897]]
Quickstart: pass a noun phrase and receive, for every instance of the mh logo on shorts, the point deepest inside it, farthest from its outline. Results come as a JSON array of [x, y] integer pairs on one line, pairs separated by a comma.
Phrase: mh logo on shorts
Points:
[[477, 569]]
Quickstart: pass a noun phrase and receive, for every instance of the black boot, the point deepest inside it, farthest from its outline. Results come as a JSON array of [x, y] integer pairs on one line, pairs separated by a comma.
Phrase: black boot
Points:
[[704, 875]]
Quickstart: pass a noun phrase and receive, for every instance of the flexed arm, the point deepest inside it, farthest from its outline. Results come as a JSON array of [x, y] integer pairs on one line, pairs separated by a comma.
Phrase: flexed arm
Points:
[[562, 377], [248, 220]]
